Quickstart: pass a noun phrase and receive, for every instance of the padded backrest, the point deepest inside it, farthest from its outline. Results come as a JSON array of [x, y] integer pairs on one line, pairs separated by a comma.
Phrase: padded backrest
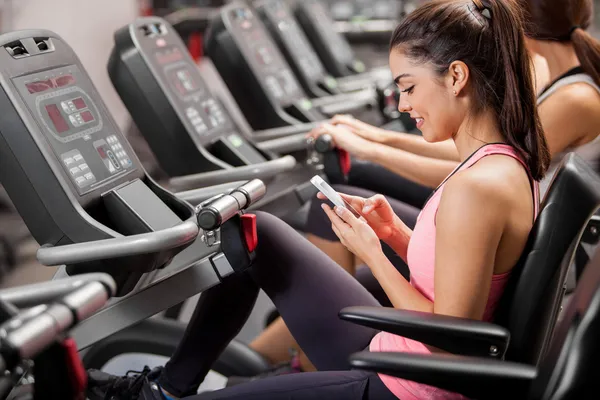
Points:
[[531, 301], [570, 369]]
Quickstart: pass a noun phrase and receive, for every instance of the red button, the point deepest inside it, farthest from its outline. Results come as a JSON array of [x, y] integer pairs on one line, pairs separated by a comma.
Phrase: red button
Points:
[[77, 372], [344, 158], [249, 231]]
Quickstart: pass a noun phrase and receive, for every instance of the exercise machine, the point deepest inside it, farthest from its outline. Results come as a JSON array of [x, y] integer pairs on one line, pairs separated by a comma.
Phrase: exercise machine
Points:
[[261, 79], [197, 132], [35, 321], [85, 198], [335, 51]]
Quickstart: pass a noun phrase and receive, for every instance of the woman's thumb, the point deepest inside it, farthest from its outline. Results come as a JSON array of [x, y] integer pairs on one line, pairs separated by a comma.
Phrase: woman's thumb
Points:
[[368, 206], [372, 203]]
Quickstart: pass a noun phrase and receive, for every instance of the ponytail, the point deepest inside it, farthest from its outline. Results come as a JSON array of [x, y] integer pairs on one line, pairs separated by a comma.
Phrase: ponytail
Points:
[[518, 116], [587, 49], [565, 21]]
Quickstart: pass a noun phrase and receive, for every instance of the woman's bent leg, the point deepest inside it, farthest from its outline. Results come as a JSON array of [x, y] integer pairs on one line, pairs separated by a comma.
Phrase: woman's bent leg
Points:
[[309, 290], [219, 315], [320, 233]]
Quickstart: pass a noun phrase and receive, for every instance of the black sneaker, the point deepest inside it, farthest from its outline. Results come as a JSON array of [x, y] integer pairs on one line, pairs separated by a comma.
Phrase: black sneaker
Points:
[[133, 386]]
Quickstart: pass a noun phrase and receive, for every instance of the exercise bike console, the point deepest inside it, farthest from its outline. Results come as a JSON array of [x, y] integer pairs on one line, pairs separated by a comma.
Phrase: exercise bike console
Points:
[[279, 19], [251, 64], [73, 176], [151, 69]]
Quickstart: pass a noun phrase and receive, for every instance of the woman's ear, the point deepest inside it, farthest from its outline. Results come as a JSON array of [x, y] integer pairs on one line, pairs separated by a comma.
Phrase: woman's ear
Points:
[[458, 76]]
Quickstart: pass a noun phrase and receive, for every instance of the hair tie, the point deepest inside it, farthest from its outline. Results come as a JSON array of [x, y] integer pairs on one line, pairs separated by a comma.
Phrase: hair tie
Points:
[[567, 37], [573, 29]]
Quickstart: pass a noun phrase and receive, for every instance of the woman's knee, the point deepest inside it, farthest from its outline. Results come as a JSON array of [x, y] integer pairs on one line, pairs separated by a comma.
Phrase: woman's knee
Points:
[[276, 239], [268, 225]]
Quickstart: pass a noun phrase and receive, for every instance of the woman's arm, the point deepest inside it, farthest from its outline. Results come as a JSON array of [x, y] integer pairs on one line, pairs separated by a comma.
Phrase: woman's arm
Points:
[[380, 216], [360, 239], [401, 293], [469, 225], [404, 141], [426, 171], [445, 150]]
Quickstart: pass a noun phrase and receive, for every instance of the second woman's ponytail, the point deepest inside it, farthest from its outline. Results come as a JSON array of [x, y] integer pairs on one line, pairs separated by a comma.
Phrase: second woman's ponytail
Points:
[[518, 112], [587, 49]]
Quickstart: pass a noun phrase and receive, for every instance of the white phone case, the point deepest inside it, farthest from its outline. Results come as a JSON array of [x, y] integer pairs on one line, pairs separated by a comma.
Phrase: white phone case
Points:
[[331, 194]]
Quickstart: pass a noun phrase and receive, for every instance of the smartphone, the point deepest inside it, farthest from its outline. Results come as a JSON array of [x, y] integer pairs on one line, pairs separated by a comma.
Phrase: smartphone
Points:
[[332, 195]]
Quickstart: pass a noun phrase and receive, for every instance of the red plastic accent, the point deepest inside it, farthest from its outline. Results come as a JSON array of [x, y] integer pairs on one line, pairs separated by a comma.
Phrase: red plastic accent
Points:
[[345, 162], [249, 231], [195, 46], [77, 371]]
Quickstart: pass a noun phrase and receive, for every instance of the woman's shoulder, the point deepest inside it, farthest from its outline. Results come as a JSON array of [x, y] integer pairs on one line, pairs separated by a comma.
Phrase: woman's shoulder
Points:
[[579, 98], [573, 108], [490, 182]]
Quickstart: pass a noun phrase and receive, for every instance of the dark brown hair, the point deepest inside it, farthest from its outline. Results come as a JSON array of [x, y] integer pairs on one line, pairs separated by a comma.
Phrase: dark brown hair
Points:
[[486, 35], [564, 21]]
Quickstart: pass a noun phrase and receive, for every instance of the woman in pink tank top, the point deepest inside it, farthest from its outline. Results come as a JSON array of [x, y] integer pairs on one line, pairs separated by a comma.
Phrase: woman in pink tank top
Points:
[[474, 227], [464, 74]]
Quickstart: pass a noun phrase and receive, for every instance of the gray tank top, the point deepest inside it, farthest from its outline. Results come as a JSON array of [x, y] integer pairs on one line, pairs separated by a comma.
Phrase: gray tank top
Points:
[[590, 151]]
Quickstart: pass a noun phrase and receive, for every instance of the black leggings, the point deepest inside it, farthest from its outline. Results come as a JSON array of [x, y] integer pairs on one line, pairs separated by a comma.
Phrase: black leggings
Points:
[[308, 289], [319, 225]]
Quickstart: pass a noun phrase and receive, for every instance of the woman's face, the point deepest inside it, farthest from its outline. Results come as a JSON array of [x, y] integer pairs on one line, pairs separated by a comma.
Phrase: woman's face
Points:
[[427, 97]]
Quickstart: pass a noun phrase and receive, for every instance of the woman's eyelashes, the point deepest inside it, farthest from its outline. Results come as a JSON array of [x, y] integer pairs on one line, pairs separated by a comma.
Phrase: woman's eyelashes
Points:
[[408, 90]]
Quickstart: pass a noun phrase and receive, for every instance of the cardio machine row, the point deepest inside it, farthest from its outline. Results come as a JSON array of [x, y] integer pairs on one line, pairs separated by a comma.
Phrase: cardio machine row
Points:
[[96, 209], [208, 119], [156, 244]]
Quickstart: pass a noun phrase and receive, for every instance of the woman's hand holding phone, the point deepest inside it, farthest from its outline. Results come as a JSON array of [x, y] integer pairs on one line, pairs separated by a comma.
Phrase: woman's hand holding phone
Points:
[[376, 211]]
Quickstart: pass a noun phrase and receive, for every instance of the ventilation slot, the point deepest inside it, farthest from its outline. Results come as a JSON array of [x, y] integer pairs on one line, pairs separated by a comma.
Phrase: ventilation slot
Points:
[[155, 29], [16, 49], [43, 44]]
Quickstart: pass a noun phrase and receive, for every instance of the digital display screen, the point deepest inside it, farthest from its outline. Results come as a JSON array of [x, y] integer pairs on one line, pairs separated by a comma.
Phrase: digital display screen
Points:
[[52, 83], [57, 119], [168, 55]]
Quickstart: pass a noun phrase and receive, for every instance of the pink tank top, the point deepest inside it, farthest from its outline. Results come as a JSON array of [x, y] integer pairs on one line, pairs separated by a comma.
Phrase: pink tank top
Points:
[[421, 262]]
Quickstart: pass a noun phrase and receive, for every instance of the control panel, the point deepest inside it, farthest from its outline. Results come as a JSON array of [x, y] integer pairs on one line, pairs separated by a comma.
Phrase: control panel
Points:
[[89, 149], [280, 15], [200, 112], [188, 129], [332, 47], [365, 9], [262, 53], [341, 49], [297, 48]]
